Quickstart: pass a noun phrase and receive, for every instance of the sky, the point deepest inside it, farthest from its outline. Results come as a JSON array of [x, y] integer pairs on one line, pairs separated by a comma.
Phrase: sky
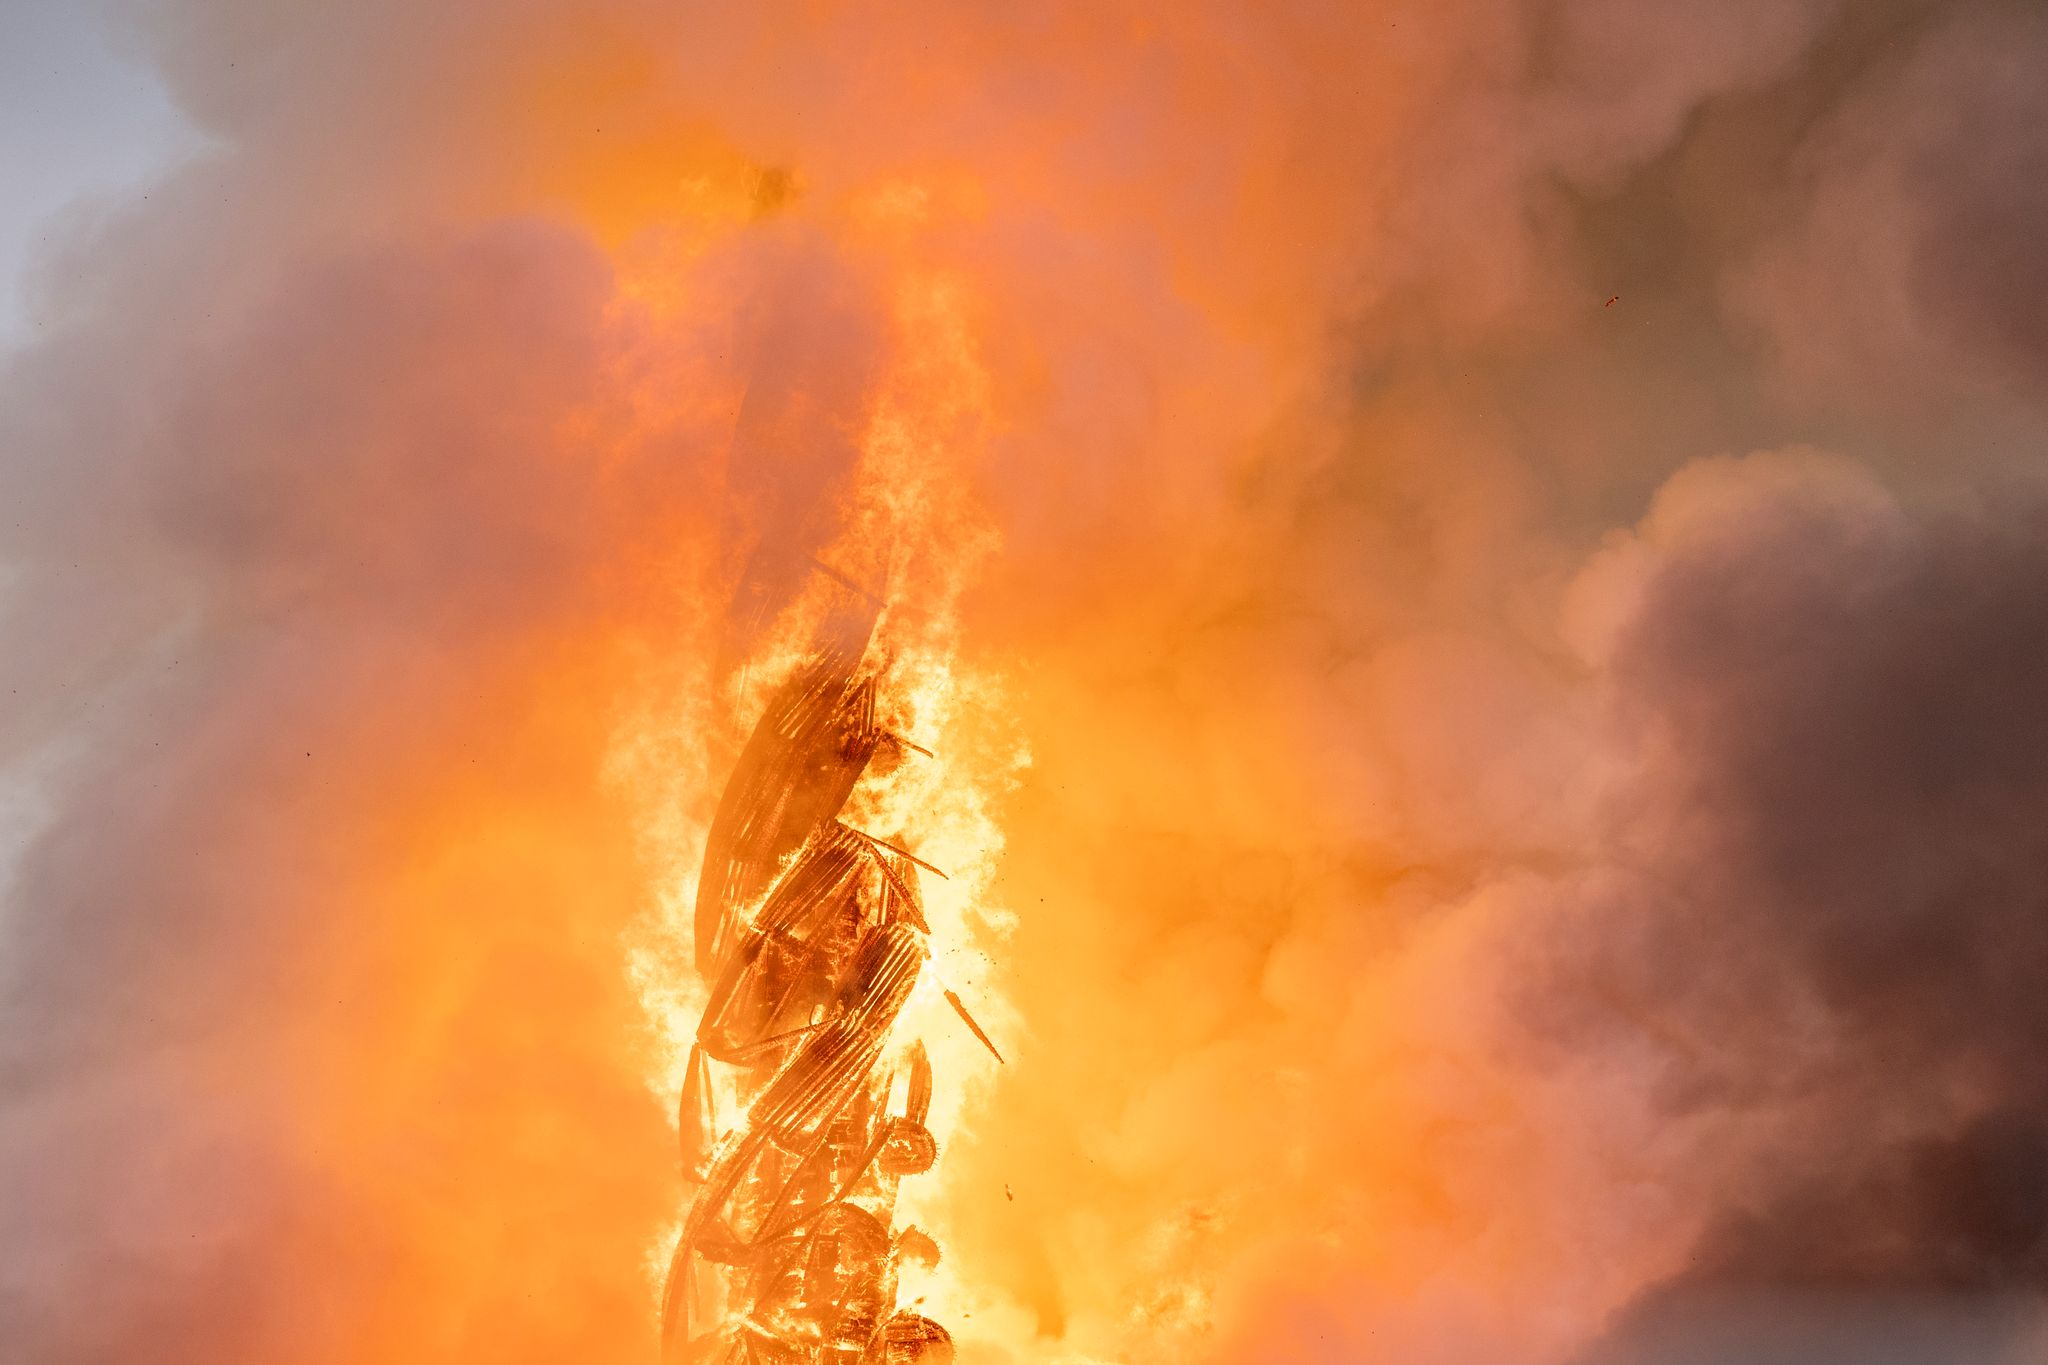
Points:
[[1475, 574], [82, 116], [83, 120]]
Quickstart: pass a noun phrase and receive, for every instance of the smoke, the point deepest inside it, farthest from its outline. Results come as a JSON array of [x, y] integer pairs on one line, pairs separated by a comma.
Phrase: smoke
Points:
[[1500, 866], [1905, 256], [1824, 944]]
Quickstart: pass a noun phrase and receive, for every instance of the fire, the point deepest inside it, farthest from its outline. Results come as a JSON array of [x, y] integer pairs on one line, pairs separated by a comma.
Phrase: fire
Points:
[[814, 934], [842, 919]]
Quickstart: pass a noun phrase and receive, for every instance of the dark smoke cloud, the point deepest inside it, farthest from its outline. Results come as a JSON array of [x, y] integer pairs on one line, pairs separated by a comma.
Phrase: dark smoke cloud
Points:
[[1906, 256], [1837, 915]]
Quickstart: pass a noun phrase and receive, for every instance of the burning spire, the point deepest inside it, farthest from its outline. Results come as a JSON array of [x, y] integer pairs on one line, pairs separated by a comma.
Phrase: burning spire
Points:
[[797, 1123]]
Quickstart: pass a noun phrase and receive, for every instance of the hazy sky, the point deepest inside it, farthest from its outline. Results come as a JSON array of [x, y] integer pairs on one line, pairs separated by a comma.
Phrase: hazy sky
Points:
[[80, 115]]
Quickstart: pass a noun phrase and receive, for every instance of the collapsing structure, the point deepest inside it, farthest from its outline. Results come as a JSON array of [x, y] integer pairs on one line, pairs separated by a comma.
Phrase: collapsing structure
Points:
[[796, 1127]]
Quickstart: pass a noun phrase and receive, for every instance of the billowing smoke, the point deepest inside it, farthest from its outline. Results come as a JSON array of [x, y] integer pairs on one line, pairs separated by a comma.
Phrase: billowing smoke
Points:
[[1511, 532]]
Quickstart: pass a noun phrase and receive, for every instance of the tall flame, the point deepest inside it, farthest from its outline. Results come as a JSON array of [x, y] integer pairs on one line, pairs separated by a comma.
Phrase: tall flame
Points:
[[831, 974]]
